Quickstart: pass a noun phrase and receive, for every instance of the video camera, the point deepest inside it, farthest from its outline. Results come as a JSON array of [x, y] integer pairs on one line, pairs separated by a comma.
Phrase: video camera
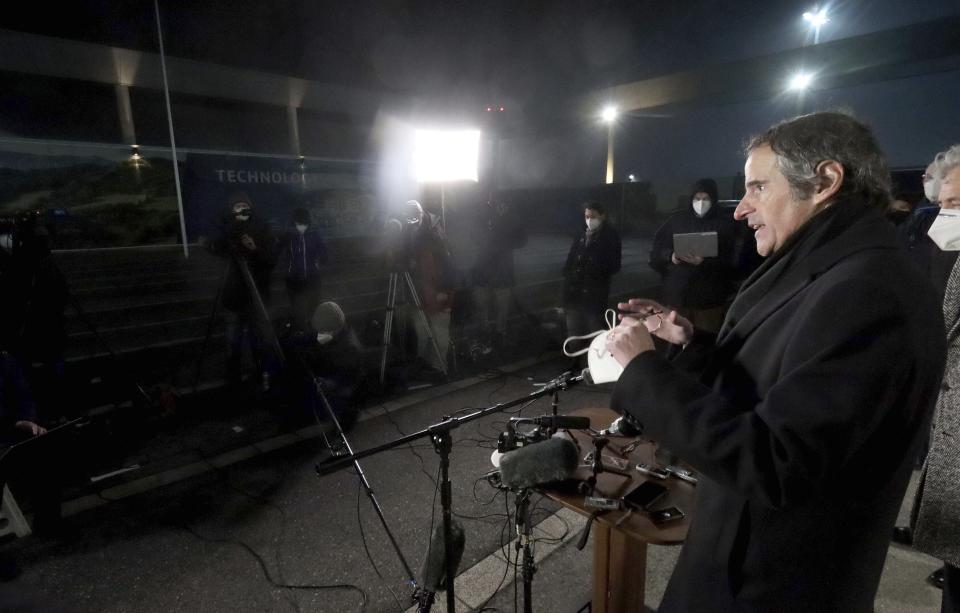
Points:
[[24, 229]]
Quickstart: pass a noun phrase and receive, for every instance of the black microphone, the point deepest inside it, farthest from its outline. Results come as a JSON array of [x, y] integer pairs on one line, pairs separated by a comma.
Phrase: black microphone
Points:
[[586, 377], [554, 459], [434, 566], [560, 422], [623, 426]]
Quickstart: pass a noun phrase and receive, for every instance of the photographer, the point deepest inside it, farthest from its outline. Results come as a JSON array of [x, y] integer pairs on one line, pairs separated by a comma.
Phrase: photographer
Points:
[[245, 239], [426, 256], [35, 297]]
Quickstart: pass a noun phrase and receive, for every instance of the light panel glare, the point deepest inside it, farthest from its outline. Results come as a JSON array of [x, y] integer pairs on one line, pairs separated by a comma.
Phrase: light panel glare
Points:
[[800, 81], [446, 155]]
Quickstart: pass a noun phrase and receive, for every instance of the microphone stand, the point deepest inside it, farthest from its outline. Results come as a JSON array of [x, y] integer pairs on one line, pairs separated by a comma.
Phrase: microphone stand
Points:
[[363, 477], [524, 530], [439, 434]]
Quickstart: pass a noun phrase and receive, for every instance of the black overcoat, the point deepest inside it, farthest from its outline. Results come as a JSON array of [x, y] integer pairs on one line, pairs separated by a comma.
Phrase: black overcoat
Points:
[[802, 423]]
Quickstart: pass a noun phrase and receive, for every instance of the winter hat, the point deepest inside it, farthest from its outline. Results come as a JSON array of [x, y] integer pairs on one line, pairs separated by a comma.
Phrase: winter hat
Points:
[[328, 318]]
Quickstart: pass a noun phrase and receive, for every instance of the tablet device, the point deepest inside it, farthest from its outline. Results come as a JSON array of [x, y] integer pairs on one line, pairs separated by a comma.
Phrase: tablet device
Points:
[[703, 244]]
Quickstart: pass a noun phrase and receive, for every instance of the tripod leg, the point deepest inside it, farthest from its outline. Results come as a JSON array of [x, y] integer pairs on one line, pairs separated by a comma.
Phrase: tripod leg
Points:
[[426, 323], [388, 324]]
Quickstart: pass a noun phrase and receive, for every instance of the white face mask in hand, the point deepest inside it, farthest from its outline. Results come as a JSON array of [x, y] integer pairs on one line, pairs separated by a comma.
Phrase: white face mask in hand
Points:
[[945, 230], [604, 368]]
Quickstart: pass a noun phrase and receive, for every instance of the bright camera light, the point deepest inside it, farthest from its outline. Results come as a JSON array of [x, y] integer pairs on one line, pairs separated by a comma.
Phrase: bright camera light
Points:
[[800, 81], [816, 19], [609, 114], [446, 155]]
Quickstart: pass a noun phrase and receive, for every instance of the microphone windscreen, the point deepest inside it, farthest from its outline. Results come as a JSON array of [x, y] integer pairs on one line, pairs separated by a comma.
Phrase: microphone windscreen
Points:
[[434, 566], [554, 459]]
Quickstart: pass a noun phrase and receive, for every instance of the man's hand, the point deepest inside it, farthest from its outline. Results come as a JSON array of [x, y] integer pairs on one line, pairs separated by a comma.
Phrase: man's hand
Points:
[[30, 428], [628, 340], [669, 326], [693, 260], [247, 241]]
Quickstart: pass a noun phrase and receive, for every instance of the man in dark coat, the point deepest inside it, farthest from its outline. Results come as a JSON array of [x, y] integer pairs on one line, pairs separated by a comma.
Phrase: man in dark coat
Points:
[[803, 415], [593, 259], [249, 244], [698, 287], [913, 232]]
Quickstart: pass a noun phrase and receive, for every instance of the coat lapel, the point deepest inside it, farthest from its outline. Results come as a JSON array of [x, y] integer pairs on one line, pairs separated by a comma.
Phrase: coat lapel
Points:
[[762, 297]]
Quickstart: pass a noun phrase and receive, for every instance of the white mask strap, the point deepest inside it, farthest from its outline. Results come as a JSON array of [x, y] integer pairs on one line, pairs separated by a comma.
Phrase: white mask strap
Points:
[[611, 318]]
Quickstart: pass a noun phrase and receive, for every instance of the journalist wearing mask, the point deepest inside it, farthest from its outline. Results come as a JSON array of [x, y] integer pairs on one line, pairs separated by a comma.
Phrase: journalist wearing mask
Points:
[[936, 513], [802, 415], [594, 257], [698, 287]]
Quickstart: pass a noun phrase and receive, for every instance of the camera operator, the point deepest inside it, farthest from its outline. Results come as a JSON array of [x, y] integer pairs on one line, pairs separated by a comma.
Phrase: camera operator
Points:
[[35, 297], [425, 254], [246, 238]]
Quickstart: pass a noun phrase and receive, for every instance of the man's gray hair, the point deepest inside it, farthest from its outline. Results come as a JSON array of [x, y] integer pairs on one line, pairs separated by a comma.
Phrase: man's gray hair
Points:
[[804, 142], [946, 161]]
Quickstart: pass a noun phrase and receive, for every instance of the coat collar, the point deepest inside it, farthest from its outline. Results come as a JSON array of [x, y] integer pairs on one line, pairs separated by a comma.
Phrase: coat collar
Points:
[[831, 236]]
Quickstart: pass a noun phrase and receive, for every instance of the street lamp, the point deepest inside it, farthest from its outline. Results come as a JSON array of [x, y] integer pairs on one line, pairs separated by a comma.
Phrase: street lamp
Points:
[[816, 19], [609, 116]]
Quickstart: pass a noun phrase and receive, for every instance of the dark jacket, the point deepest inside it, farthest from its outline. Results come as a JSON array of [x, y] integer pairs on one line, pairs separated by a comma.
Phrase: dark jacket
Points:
[[708, 284], [427, 257], [16, 401], [236, 296], [589, 266], [302, 256], [934, 263], [501, 235], [804, 421]]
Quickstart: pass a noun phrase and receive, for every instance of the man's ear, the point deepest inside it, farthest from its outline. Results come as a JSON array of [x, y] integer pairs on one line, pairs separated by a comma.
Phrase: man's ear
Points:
[[829, 179]]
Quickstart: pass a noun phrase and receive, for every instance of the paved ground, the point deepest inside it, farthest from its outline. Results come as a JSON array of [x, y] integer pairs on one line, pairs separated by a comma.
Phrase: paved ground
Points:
[[227, 531]]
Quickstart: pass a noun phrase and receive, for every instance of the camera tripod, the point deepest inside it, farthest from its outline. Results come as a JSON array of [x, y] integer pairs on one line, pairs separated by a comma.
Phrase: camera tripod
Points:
[[394, 288]]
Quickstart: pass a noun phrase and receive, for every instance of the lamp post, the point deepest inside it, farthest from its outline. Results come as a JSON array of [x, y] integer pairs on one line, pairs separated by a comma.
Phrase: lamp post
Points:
[[609, 116]]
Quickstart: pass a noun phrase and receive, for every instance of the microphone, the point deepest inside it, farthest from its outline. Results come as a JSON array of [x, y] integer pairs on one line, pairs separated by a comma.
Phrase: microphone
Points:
[[434, 571], [623, 426], [559, 422], [586, 377], [554, 459]]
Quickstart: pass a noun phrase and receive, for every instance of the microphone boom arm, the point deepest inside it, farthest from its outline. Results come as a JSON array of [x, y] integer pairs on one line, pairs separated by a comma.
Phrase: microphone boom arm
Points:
[[439, 434]]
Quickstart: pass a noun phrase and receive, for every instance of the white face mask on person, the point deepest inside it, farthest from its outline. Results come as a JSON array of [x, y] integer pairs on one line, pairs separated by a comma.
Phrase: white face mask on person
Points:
[[593, 223], [945, 230], [604, 368], [700, 207], [301, 227]]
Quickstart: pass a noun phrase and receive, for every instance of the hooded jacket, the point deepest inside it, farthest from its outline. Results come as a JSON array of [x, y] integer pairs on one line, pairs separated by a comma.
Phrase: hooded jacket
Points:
[[710, 283]]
